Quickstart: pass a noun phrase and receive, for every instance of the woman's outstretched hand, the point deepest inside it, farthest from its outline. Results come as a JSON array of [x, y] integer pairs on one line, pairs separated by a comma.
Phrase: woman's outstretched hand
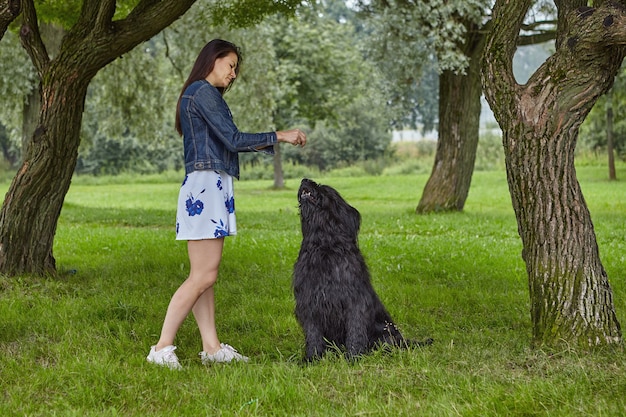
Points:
[[293, 136]]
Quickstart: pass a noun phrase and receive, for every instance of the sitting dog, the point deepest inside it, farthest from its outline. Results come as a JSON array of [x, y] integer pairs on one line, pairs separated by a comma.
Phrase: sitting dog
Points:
[[335, 301]]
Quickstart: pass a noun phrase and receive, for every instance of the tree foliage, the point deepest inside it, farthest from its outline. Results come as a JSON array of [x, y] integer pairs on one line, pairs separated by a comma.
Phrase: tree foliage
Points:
[[336, 91], [414, 41]]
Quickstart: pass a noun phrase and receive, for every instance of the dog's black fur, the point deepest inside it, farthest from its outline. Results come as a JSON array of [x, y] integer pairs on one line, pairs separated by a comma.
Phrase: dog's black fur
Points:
[[335, 301]]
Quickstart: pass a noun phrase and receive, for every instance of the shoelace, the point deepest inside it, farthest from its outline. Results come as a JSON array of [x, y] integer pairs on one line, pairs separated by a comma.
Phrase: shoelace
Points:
[[170, 356]]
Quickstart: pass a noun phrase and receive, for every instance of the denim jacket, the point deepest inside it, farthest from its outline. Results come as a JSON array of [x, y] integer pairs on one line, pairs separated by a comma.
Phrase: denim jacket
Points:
[[211, 139]]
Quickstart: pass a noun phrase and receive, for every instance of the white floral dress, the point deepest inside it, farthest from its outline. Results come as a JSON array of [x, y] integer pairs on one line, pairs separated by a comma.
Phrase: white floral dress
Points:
[[206, 206]]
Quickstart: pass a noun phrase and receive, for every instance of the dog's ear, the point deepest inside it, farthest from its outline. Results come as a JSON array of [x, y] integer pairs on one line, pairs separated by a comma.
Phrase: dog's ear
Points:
[[349, 218], [355, 220]]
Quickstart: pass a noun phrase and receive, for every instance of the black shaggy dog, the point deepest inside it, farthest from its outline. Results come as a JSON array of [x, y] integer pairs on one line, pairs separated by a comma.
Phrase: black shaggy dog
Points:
[[335, 301]]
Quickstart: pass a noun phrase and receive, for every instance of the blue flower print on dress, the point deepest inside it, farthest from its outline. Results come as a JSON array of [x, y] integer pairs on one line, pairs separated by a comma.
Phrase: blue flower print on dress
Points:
[[220, 229], [219, 182], [185, 180], [230, 204], [194, 206]]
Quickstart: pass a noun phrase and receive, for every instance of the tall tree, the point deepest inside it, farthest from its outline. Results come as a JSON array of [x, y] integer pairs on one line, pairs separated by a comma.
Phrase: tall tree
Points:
[[318, 59], [33, 202], [459, 125], [453, 31], [571, 299]]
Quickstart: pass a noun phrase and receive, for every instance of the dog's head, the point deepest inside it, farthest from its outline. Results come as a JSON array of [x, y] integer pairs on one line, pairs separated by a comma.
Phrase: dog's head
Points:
[[322, 209]]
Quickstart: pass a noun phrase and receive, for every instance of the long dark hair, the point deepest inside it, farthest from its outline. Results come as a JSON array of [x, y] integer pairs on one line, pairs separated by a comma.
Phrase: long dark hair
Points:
[[217, 48]]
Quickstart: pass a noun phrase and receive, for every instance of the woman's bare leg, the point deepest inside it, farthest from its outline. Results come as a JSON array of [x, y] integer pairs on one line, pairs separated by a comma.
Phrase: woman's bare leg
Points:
[[196, 293]]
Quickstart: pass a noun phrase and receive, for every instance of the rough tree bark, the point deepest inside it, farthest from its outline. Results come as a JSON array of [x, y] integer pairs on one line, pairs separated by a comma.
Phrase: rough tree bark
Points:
[[9, 11], [30, 212], [459, 125], [570, 296]]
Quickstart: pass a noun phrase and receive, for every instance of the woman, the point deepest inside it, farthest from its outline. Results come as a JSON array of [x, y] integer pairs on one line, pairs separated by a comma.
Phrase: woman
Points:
[[206, 207]]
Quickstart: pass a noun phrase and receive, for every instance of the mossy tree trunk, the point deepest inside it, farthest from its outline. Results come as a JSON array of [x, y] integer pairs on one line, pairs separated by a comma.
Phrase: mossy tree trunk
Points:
[[459, 124], [30, 212], [570, 296]]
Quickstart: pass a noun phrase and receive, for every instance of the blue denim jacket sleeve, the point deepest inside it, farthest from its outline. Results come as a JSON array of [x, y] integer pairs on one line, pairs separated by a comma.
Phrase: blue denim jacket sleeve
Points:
[[211, 139], [217, 115]]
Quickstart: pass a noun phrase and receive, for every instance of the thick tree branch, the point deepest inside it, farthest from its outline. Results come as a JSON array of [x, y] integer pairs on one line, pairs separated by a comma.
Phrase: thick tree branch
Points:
[[151, 14], [30, 37], [564, 7], [537, 24], [102, 40], [536, 38], [9, 11], [497, 69], [602, 26], [104, 15], [96, 15]]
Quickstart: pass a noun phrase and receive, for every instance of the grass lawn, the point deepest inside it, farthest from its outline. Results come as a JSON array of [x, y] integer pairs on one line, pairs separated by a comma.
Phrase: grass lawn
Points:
[[75, 345]]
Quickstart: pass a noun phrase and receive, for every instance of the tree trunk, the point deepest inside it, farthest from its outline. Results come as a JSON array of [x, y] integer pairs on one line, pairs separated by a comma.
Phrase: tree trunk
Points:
[[279, 178], [33, 203], [459, 125], [609, 138], [570, 296]]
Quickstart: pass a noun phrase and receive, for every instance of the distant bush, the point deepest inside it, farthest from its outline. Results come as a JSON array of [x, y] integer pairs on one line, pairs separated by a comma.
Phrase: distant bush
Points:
[[410, 167], [489, 152], [414, 150], [350, 171], [127, 155], [265, 171]]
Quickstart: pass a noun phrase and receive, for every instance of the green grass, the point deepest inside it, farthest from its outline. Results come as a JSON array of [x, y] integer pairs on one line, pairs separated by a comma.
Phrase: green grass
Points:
[[75, 345]]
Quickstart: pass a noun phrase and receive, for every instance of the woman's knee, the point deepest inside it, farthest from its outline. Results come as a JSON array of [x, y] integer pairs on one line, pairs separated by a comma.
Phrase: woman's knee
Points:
[[202, 280]]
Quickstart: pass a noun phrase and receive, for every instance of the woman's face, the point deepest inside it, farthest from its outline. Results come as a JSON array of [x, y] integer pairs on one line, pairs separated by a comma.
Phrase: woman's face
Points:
[[223, 71]]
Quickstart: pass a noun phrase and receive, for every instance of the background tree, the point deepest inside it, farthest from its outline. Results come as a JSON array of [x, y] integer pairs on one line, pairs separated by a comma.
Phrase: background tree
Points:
[[453, 33], [571, 299], [316, 77], [338, 92], [17, 81], [447, 34]]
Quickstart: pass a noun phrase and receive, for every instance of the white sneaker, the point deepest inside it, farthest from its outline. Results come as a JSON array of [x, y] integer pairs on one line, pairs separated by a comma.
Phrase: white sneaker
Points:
[[226, 354], [165, 357]]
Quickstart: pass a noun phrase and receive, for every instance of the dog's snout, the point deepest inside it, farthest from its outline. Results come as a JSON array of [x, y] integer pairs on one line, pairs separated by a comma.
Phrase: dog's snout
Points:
[[305, 194]]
